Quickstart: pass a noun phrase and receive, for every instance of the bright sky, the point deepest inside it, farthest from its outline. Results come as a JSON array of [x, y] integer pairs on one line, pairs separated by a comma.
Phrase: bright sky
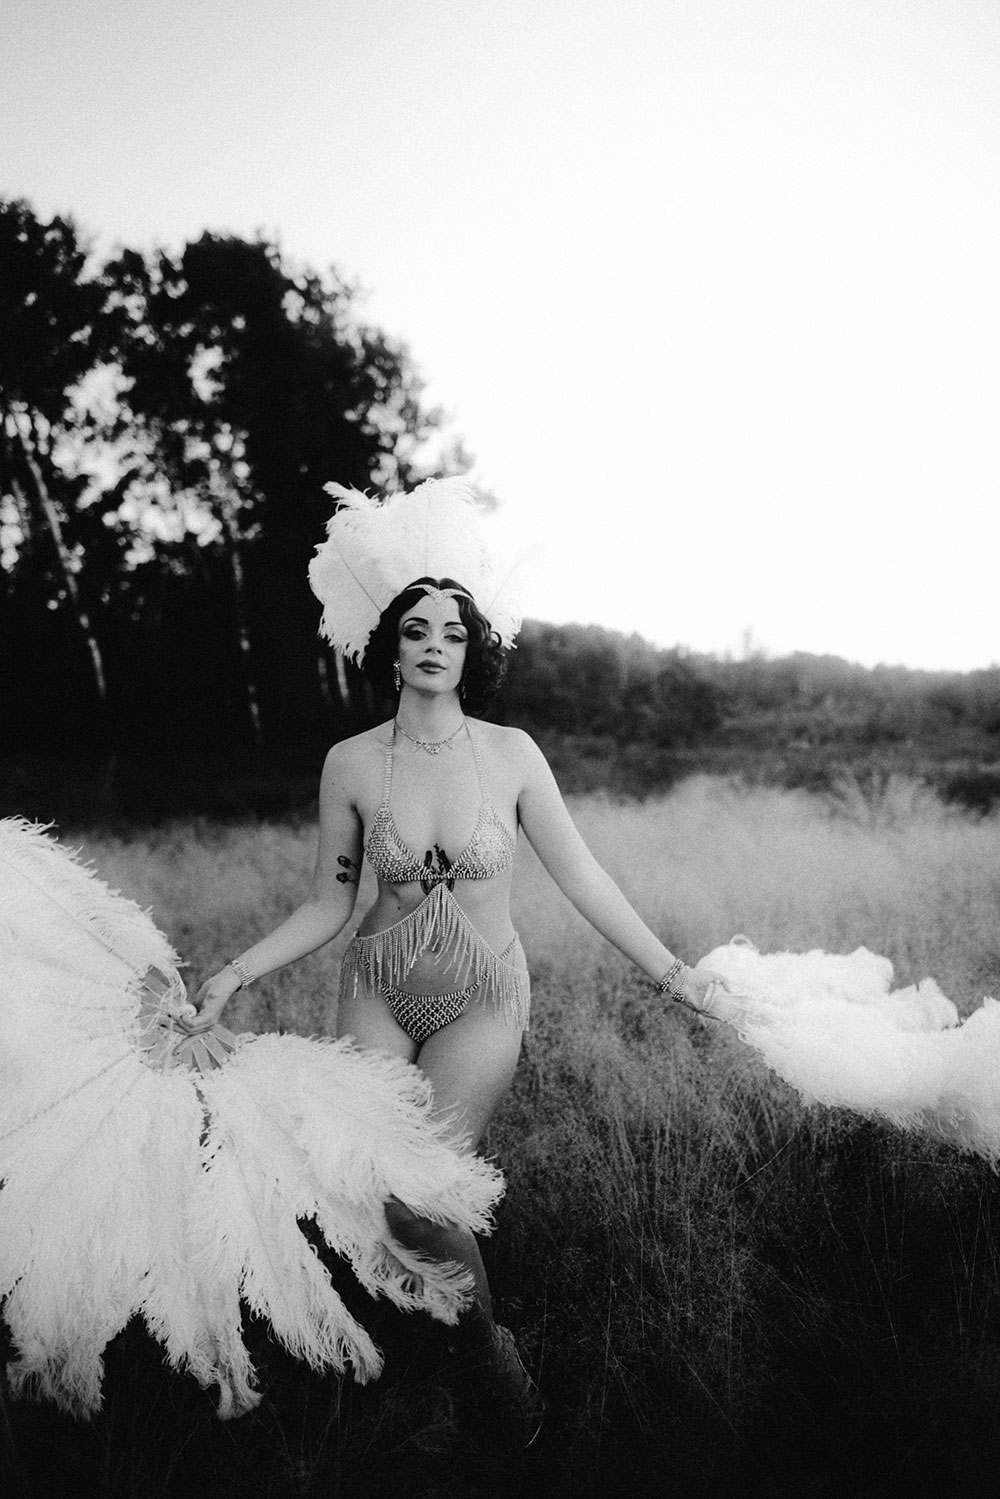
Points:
[[709, 287]]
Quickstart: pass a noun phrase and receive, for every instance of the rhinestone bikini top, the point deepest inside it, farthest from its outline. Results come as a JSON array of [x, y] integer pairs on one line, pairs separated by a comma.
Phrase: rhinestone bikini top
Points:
[[488, 852]]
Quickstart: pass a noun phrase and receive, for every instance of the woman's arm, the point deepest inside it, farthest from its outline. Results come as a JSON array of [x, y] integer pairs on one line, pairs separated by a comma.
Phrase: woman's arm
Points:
[[552, 834], [326, 909]]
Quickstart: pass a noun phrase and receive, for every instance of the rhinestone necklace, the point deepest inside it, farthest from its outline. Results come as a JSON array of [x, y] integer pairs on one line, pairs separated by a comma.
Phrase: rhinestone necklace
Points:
[[432, 746]]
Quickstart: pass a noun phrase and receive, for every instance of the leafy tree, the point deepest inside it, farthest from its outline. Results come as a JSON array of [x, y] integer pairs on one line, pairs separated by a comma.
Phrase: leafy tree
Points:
[[588, 681], [167, 424], [253, 385]]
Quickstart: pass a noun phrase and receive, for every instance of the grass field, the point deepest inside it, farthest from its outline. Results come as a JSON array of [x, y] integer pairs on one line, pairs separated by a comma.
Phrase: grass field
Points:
[[722, 1292]]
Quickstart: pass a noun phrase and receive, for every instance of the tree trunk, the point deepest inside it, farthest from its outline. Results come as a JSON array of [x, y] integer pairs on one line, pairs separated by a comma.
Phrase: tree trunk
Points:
[[333, 685], [235, 557], [50, 513]]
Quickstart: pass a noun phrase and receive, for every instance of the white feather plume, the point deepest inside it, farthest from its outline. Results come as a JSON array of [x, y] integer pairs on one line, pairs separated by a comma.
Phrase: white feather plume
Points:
[[832, 1026], [117, 1198], [373, 550]]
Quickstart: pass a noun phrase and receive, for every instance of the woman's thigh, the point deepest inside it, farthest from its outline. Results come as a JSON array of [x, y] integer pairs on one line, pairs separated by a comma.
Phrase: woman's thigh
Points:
[[369, 1020], [470, 1064]]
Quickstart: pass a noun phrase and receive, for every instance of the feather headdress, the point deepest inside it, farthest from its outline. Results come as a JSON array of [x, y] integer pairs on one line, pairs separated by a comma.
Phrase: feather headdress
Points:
[[375, 549]]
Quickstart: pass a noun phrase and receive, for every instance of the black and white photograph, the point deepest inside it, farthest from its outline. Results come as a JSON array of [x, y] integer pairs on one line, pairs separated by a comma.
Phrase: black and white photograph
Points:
[[500, 749]]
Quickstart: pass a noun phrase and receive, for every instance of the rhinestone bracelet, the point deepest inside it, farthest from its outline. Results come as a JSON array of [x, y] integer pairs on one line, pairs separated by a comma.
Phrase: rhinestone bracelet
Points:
[[666, 984], [241, 971]]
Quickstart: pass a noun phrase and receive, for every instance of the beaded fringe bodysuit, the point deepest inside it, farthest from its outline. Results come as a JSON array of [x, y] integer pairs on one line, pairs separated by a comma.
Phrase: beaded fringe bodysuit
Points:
[[383, 960]]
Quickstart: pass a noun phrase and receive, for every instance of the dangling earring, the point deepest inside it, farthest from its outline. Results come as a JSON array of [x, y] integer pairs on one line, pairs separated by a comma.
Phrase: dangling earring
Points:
[[397, 676], [461, 690]]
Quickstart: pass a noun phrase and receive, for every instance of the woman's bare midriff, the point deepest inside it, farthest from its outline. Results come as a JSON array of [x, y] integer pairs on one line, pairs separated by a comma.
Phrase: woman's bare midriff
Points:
[[486, 904]]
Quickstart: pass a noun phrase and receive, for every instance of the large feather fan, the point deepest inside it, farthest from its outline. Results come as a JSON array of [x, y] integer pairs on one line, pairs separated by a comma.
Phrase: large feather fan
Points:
[[832, 1026], [146, 1172], [373, 550]]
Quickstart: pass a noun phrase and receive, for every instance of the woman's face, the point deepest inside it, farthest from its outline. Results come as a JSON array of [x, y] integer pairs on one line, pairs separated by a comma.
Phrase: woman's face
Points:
[[432, 646]]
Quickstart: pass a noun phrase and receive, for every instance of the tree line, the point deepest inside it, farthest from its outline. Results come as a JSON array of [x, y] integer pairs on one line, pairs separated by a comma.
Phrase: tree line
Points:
[[167, 423]]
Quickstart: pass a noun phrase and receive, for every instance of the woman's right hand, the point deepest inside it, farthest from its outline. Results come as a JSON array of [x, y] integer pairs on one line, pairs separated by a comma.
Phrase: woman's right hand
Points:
[[210, 1001]]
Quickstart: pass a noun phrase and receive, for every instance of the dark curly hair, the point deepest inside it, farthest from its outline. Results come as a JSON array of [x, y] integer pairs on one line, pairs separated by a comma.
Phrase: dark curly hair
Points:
[[485, 657]]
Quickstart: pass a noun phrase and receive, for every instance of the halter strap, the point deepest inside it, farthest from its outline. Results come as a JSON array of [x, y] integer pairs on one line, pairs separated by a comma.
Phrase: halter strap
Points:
[[479, 764], [387, 771]]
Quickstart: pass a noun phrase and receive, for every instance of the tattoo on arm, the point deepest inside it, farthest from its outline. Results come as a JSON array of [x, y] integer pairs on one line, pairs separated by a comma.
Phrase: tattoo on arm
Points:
[[350, 873]]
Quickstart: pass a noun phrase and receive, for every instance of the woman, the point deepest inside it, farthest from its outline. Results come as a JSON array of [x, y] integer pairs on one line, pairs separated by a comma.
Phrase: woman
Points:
[[435, 972]]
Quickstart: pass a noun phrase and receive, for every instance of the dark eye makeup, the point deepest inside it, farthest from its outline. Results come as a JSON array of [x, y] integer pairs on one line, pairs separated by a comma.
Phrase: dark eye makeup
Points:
[[416, 629]]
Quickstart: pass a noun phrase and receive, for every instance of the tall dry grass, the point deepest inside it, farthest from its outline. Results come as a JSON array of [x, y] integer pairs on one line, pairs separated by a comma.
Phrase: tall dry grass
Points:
[[722, 1290]]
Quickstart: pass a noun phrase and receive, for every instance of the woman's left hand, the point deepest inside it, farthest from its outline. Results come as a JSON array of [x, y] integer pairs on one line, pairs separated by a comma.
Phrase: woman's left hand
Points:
[[710, 993]]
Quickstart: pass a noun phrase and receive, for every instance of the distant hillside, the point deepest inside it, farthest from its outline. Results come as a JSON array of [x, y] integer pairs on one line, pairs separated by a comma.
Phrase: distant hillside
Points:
[[614, 710]]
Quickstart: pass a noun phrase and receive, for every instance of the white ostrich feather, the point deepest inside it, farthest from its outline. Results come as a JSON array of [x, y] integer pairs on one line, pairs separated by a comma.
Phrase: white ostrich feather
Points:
[[832, 1026], [135, 1184], [373, 550], [55, 909]]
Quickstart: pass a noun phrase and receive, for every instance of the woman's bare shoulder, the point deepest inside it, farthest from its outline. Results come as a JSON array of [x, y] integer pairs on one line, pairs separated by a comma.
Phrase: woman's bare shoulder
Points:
[[499, 734], [354, 756], [514, 745]]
